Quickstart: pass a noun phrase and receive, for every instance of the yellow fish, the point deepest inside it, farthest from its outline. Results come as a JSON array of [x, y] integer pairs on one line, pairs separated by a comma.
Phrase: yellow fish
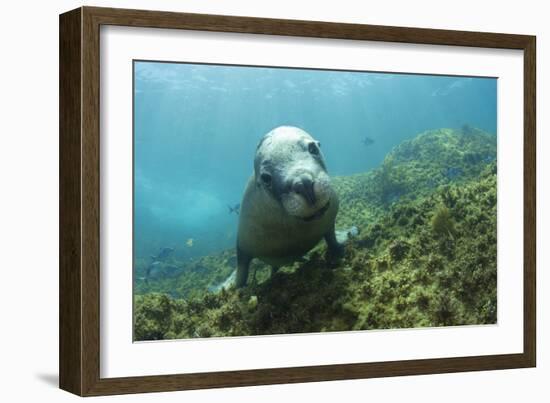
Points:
[[189, 242]]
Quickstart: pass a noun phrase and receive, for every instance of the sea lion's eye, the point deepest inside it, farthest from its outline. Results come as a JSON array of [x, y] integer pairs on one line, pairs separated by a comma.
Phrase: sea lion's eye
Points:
[[312, 148], [266, 178]]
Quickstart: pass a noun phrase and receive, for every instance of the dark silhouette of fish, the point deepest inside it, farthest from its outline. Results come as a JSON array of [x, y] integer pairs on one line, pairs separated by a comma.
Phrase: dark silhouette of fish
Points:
[[234, 209], [162, 255], [156, 260], [367, 141]]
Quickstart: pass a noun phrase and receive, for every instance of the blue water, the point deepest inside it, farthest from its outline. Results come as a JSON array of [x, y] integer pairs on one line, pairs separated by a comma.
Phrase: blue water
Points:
[[196, 128]]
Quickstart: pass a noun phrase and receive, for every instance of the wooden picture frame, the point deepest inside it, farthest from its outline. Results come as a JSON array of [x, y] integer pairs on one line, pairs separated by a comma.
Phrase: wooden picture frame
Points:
[[79, 279]]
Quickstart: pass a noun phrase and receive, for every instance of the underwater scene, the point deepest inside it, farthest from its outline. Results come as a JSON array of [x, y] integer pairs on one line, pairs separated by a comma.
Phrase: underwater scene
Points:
[[271, 200]]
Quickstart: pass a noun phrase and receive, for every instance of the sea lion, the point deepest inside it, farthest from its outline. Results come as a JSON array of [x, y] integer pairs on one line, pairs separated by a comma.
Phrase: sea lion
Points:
[[288, 205]]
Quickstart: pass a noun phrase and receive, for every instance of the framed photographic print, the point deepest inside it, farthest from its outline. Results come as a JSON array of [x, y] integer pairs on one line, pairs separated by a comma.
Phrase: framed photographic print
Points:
[[249, 201]]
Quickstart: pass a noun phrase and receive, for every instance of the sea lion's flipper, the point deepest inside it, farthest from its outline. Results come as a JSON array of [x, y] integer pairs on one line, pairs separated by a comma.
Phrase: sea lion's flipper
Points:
[[343, 236], [243, 263], [335, 248]]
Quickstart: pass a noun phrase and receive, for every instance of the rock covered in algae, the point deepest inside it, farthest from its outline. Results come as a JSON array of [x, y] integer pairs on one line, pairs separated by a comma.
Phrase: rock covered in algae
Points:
[[424, 255]]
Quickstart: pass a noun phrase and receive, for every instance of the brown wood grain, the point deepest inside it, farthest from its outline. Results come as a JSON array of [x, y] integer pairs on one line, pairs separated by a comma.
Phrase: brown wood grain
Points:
[[530, 202], [90, 201], [70, 274], [79, 277]]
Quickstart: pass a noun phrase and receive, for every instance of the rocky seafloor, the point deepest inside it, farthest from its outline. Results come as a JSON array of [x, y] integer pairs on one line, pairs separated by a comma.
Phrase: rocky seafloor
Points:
[[425, 256]]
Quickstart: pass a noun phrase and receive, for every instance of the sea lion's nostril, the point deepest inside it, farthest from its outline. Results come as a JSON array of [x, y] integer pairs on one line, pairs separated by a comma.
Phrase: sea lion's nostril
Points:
[[305, 187]]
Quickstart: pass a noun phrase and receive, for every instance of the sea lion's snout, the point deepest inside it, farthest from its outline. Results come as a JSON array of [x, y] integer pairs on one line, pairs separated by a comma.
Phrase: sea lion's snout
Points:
[[304, 186], [308, 195]]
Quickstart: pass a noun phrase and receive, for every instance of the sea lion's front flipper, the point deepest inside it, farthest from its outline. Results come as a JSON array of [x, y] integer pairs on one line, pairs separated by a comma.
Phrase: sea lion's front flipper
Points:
[[243, 263], [335, 248]]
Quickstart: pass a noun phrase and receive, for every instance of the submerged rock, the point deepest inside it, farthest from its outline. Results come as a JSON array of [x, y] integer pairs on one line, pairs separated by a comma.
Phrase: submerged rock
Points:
[[426, 257]]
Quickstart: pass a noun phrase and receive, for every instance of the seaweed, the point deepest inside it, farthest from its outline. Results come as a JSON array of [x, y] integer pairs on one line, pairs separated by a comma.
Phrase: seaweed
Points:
[[424, 258], [442, 222]]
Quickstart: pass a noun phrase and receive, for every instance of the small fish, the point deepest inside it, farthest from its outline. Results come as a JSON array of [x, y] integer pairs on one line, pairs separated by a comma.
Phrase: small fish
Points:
[[367, 141], [163, 254], [234, 209], [189, 242]]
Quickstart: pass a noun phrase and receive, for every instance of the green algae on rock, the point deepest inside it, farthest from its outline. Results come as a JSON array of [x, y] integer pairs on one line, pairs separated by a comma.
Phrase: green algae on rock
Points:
[[425, 255]]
